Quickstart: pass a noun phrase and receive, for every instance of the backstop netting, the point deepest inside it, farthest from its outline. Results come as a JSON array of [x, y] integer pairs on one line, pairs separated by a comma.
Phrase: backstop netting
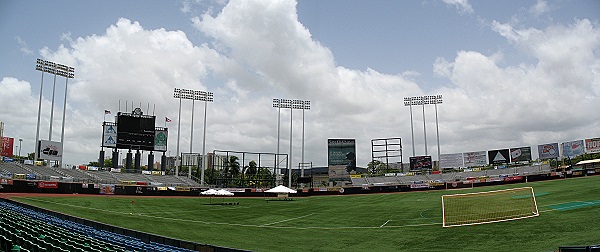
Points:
[[488, 207]]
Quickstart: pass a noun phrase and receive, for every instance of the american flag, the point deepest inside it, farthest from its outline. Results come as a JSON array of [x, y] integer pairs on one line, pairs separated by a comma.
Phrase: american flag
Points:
[[107, 112], [167, 119]]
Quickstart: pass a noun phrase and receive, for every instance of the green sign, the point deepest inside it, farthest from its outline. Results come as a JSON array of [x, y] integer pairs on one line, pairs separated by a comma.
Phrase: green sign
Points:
[[160, 140]]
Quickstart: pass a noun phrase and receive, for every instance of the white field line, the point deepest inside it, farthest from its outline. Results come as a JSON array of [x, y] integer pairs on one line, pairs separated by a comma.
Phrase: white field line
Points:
[[272, 223], [384, 223], [138, 215]]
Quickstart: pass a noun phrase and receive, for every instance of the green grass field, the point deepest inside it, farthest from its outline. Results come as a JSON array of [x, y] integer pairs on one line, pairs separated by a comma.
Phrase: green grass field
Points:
[[569, 215]]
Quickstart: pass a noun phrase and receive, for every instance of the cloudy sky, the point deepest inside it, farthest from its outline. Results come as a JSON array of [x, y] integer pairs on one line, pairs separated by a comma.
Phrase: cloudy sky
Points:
[[512, 73]]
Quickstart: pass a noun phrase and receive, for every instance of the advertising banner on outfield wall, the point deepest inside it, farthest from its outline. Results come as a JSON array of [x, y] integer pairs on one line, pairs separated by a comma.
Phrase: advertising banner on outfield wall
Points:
[[50, 150], [592, 145], [477, 158], [109, 136], [548, 151], [572, 149], [47, 184], [6, 150], [454, 160], [522, 154], [499, 156], [341, 159], [107, 189]]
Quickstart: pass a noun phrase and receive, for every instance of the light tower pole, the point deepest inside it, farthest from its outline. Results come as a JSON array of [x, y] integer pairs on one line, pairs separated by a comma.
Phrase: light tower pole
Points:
[[194, 95], [435, 100], [291, 104], [45, 66], [410, 101]]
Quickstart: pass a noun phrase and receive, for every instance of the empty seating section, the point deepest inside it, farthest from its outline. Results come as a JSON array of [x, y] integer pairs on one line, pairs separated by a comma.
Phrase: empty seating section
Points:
[[88, 176], [449, 177], [12, 168], [35, 231], [102, 177], [44, 171]]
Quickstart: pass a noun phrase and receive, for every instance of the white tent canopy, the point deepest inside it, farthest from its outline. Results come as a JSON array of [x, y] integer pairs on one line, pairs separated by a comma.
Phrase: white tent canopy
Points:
[[223, 192], [281, 189], [209, 192]]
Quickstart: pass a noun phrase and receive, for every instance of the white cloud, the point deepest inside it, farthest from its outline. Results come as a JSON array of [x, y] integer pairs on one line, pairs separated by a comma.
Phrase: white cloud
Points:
[[23, 46], [529, 104], [539, 8], [259, 51], [463, 6], [19, 111]]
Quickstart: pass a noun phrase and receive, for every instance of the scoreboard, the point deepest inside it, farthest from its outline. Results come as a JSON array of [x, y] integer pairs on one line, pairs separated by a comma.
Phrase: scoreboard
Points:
[[135, 131]]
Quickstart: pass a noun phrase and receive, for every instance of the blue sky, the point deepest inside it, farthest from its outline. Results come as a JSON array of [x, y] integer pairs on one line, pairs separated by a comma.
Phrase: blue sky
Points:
[[513, 73]]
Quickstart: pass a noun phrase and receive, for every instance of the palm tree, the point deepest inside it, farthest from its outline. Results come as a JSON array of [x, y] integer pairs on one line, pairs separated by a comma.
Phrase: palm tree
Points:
[[233, 166]]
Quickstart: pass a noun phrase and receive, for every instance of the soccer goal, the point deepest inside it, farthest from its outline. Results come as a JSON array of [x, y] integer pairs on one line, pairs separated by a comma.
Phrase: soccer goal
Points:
[[488, 207]]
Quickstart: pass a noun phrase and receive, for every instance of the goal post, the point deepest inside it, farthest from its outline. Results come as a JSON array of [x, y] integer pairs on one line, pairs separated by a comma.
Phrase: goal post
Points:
[[488, 207]]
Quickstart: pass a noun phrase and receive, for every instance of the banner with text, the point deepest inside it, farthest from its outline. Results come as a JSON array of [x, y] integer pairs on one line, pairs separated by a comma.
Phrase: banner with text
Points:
[[341, 158], [573, 149], [592, 145], [501, 156], [419, 163], [522, 154], [50, 150], [454, 160], [6, 150], [109, 136], [477, 158], [160, 140], [548, 151]]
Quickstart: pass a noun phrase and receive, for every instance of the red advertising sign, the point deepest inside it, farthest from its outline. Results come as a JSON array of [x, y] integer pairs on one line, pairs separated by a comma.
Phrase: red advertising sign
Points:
[[6, 181], [7, 146], [592, 145], [47, 184], [513, 178]]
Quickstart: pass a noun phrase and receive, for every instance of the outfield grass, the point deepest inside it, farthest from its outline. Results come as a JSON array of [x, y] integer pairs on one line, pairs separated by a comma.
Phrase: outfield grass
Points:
[[569, 215]]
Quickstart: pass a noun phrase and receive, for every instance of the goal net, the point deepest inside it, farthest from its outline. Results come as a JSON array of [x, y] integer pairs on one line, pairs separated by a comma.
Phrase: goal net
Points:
[[488, 207]]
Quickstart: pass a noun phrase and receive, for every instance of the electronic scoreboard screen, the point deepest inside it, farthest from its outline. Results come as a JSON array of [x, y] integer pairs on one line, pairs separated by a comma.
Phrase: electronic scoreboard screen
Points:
[[135, 132]]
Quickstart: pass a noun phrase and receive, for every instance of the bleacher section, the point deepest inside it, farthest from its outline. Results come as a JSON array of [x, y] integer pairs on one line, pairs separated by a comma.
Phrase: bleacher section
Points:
[[12, 168], [89, 176], [27, 230], [405, 179]]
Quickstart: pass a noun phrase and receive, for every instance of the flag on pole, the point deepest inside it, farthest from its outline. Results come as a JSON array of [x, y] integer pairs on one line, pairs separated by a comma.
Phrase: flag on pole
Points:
[[107, 112], [167, 119]]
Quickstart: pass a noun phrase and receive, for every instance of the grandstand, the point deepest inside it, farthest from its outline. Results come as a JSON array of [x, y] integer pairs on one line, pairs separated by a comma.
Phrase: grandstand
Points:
[[24, 229], [407, 179], [12, 168], [89, 176]]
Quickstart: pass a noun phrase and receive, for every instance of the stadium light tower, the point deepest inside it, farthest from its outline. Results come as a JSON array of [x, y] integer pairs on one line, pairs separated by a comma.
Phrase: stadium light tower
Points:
[[206, 97], [410, 101], [68, 73], [193, 95], [305, 105], [435, 100], [45, 66], [291, 104]]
